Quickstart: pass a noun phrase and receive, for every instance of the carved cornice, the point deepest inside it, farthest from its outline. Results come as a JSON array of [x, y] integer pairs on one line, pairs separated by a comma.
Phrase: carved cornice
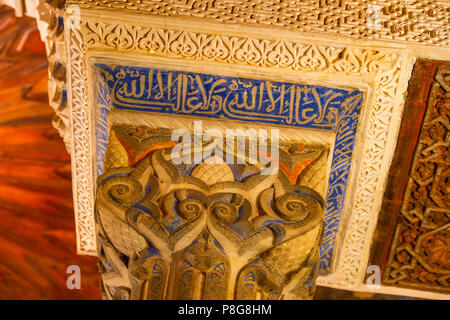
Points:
[[416, 21], [382, 67]]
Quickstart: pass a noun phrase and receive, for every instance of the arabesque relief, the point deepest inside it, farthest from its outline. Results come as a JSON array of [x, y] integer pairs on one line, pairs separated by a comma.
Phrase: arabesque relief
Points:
[[211, 230]]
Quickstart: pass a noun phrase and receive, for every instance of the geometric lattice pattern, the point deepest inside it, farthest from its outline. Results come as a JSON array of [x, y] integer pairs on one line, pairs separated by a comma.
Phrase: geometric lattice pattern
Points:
[[420, 252]]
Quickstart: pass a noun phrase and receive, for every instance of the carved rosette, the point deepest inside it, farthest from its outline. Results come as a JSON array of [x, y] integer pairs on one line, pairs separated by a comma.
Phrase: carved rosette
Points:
[[175, 231]]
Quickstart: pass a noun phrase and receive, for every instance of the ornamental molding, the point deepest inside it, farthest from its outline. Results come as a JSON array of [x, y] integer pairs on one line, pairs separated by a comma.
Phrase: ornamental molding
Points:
[[415, 21], [382, 72], [418, 251]]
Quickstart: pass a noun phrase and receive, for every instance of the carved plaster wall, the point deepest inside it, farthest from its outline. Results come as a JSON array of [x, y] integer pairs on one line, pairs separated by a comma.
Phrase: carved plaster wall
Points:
[[419, 21], [412, 237], [380, 72], [419, 253], [310, 44]]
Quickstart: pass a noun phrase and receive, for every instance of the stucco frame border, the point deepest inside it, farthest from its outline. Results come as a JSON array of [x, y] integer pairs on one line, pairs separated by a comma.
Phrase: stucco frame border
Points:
[[386, 70]]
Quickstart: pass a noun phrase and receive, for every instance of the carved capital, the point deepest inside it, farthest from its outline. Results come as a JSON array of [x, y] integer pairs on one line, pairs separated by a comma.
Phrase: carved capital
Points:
[[211, 230]]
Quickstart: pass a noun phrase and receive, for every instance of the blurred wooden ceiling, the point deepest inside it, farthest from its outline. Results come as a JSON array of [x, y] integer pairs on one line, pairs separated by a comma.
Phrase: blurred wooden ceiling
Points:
[[37, 228]]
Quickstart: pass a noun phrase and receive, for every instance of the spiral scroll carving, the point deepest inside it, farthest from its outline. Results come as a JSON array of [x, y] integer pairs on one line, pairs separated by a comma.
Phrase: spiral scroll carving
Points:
[[124, 190], [294, 207], [190, 209]]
